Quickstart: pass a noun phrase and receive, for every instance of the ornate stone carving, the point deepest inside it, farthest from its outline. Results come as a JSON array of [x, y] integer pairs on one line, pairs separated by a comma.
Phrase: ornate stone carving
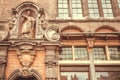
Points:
[[41, 20], [90, 42], [3, 33], [27, 25], [13, 25], [25, 73], [26, 53], [26, 57], [52, 34], [25, 21]]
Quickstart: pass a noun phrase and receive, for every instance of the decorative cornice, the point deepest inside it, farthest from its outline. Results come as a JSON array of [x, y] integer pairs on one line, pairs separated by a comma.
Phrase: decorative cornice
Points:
[[115, 19]]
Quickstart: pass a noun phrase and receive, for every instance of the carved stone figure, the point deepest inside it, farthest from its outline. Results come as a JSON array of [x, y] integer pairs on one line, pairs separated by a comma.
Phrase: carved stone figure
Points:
[[28, 25], [13, 27], [3, 33]]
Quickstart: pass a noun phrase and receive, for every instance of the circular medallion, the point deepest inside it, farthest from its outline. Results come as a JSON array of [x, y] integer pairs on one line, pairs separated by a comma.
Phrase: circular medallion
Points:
[[52, 34]]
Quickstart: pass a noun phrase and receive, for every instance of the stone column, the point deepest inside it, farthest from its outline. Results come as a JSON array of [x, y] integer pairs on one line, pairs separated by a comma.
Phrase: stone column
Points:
[[91, 66], [51, 62], [3, 61]]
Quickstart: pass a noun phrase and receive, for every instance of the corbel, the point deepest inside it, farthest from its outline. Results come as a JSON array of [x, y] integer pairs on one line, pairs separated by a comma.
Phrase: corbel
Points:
[[90, 41]]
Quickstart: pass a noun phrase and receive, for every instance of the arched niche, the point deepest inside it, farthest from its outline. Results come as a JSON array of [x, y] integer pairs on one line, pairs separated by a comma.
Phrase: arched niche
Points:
[[71, 29], [71, 33], [17, 75], [106, 28], [26, 20], [27, 23]]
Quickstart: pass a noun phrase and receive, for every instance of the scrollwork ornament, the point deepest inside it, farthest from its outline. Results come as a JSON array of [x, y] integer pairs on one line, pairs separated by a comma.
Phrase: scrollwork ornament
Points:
[[52, 34]]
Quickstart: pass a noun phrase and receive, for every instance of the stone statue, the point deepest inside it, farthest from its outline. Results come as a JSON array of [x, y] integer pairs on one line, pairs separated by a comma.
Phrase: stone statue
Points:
[[28, 25]]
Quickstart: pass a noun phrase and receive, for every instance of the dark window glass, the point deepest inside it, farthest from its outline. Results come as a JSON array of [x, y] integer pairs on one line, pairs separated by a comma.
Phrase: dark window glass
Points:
[[114, 53], [74, 76], [108, 75]]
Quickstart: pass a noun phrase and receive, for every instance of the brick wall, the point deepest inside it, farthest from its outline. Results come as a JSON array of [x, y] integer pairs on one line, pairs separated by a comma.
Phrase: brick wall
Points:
[[12, 63], [38, 64], [7, 5]]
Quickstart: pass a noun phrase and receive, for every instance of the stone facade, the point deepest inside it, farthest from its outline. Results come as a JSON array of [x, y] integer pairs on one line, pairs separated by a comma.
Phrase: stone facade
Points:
[[35, 53]]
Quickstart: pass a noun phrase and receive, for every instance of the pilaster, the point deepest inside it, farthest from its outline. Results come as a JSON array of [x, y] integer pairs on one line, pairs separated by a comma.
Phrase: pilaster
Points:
[[3, 58], [51, 61], [90, 42]]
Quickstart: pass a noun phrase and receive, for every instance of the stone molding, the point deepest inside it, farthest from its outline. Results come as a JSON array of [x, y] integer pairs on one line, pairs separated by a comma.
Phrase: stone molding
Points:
[[25, 73]]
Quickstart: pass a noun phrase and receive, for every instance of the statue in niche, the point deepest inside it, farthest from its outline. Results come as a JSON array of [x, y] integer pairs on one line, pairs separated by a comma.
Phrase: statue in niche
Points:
[[28, 24]]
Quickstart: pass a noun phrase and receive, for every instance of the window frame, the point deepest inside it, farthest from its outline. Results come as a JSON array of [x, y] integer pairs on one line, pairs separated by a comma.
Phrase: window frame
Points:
[[70, 12], [74, 54]]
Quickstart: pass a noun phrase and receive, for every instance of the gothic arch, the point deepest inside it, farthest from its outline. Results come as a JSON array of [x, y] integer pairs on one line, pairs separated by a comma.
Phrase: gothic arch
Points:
[[106, 27], [17, 73], [72, 27]]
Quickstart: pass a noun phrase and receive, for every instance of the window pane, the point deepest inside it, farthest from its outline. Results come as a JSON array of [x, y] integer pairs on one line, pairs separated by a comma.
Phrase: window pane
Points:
[[93, 8], [75, 75], [114, 53], [99, 53], [81, 53], [76, 9], [107, 8], [66, 53], [108, 75], [63, 9], [119, 3]]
